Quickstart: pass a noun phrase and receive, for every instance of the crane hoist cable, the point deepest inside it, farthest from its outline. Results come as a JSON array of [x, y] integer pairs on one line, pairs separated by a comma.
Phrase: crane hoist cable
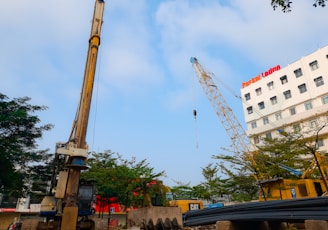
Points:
[[195, 110]]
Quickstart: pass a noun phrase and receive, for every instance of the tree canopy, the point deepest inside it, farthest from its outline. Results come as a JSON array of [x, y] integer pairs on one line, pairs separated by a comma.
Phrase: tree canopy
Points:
[[286, 5], [133, 183], [20, 159], [286, 156]]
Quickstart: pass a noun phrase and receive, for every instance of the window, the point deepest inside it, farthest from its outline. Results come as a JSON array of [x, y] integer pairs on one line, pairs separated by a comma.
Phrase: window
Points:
[[247, 96], [302, 88], [297, 128], [265, 120], [320, 143], [292, 111], [308, 105], [278, 116], [318, 81], [298, 72], [303, 190], [283, 79], [250, 110], [256, 140], [270, 85], [253, 124], [268, 135], [324, 99], [287, 94], [314, 65], [258, 91], [261, 105], [313, 124], [273, 100]]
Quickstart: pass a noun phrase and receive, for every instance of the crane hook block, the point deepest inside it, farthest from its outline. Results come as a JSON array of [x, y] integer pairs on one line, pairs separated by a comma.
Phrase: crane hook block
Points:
[[193, 60]]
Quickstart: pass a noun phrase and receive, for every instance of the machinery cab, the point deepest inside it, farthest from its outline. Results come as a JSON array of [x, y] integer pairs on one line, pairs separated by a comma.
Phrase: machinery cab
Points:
[[184, 204], [86, 198], [283, 189], [50, 206]]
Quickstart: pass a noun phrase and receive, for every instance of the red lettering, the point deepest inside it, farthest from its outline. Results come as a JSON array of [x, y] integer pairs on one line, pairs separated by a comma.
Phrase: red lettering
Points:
[[270, 71], [254, 79], [276, 68], [263, 75]]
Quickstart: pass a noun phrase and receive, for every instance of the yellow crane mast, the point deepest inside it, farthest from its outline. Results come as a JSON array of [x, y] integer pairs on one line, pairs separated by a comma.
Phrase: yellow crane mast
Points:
[[76, 148], [63, 206]]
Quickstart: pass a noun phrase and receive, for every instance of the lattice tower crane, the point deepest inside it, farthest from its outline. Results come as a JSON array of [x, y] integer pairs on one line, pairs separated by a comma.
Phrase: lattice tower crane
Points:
[[240, 142]]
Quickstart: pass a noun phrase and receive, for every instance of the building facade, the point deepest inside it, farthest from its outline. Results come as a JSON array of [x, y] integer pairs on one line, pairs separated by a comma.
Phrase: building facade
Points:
[[292, 98]]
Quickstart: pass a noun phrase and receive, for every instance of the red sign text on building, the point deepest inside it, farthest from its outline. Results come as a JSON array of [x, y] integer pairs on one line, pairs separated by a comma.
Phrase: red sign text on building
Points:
[[260, 76]]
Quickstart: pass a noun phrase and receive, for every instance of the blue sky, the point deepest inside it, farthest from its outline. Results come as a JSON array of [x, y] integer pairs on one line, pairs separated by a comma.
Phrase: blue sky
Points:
[[145, 89]]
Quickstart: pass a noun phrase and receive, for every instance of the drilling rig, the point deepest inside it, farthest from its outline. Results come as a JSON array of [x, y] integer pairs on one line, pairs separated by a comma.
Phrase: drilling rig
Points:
[[69, 202]]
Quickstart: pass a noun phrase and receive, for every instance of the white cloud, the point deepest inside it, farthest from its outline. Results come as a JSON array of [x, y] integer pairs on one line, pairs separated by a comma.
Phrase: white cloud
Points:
[[131, 58], [252, 27]]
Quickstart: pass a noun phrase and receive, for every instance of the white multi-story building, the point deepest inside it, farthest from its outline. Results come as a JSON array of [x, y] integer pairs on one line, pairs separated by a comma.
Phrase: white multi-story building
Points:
[[294, 97]]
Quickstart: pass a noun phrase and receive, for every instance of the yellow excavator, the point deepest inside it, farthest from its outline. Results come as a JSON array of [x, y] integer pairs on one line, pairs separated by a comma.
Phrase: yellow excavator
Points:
[[69, 202], [302, 187]]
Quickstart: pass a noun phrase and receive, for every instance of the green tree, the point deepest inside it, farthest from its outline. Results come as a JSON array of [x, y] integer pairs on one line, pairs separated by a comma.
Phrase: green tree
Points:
[[286, 156], [40, 178], [281, 155], [286, 5], [292, 149], [241, 175], [133, 183], [212, 187], [240, 182], [19, 132], [183, 191], [241, 187]]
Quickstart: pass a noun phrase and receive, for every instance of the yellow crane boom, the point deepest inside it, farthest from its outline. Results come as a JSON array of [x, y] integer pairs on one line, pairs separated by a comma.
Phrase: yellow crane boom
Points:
[[228, 119], [74, 152]]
